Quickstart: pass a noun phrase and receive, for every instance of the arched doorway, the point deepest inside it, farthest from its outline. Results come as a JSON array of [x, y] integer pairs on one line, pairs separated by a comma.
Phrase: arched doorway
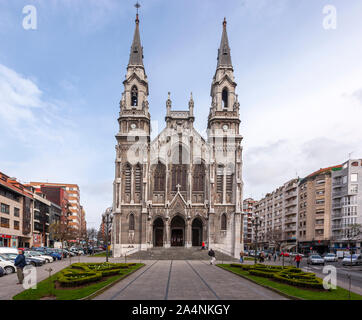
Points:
[[197, 232], [177, 232], [158, 232]]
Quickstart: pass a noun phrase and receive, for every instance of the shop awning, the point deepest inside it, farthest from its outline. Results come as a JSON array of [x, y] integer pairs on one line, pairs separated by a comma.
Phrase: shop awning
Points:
[[288, 247]]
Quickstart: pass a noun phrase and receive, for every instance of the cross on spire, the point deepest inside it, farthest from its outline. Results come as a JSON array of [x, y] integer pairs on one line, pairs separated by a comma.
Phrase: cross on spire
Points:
[[137, 6], [178, 186]]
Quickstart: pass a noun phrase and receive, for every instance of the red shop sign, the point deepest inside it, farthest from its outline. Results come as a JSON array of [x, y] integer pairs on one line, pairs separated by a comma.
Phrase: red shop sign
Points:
[[5, 236]]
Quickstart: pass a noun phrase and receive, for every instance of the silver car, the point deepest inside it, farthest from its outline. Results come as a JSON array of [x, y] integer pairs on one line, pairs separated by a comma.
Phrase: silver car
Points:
[[330, 257], [356, 260], [315, 259]]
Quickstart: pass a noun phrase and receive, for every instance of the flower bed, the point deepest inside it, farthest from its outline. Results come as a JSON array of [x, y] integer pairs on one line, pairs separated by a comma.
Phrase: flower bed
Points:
[[81, 273]]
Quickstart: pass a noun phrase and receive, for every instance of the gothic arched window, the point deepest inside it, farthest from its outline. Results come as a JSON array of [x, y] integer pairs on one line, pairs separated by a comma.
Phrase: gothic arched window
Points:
[[220, 179], [159, 177], [138, 178], [225, 95], [127, 172], [223, 221], [134, 96], [131, 222], [198, 177], [179, 168]]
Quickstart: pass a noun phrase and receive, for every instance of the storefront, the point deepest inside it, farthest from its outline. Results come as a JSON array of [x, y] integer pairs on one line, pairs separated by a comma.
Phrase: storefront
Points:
[[8, 241]]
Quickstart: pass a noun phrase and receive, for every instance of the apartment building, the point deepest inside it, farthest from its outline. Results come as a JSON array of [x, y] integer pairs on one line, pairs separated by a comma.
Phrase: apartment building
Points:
[[314, 210], [278, 213], [248, 209], [347, 204], [73, 194], [16, 211]]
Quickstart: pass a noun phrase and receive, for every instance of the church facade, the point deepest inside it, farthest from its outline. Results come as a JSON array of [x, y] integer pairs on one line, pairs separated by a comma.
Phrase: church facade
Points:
[[180, 189]]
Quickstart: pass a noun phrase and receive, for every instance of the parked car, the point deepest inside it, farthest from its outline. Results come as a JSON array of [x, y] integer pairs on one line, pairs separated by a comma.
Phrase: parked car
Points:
[[2, 272], [36, 254], [7, 265], [8, 250], [55, 255], [330, 257], [356, 260], [11, 257], [28, 254], [285, 254], [315, 259]]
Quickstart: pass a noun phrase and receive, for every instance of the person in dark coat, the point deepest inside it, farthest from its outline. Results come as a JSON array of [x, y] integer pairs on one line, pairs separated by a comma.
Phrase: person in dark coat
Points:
[[20, 263], [212, 255]]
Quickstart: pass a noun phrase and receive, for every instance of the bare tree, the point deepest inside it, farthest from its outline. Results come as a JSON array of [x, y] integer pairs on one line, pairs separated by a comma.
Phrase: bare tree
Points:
[[275, 238]]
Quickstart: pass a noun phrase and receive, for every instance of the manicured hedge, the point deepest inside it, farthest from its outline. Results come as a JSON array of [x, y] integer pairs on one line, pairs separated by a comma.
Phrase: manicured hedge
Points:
[[81, 273], [290, 275]]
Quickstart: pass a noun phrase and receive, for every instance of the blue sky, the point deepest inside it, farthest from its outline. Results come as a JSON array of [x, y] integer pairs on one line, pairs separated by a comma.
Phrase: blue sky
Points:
[[299, 85]]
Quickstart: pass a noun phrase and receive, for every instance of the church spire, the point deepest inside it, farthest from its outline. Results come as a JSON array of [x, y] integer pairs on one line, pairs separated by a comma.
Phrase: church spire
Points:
[[136, 55], [224, 57]]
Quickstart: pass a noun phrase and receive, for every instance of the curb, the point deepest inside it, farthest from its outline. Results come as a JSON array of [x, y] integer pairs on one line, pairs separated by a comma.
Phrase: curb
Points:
[[100, 291], [262, 285]]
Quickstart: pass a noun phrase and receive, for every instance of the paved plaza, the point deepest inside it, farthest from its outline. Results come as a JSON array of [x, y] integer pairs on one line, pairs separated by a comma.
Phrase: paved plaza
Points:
[[186, 280]]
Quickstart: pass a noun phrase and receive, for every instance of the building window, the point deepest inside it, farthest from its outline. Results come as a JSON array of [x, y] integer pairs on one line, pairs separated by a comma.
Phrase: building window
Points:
[[159, 178], [223, 221], [225, 98], [4, 223], [16, 225], [138, 178], [134, 96], [220, 179], [5, 208], [354, 177], [127, 178], [354, 188], [198, 177], [131, 222], [16, 212], [344, 179]]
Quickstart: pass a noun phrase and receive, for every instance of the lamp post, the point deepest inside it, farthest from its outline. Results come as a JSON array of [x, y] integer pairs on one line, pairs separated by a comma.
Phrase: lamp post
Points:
[[256, 222], [107, 219]]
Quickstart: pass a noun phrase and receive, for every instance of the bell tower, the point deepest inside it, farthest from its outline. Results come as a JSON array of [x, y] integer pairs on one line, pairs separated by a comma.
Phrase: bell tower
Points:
[[225, 149], [132, 154]]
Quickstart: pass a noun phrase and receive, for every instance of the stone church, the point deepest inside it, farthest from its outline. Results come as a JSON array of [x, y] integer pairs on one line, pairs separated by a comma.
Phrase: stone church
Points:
[[180, 189]]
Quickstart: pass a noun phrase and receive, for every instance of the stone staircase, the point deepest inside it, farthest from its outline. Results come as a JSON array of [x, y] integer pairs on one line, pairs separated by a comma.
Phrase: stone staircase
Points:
[[178, 253]]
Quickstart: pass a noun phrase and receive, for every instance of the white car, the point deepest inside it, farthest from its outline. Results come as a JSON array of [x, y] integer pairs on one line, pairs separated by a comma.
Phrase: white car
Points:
[[30, 254], [355, 260], [315, 259], [36, 254], [330, 257], [8, 266]]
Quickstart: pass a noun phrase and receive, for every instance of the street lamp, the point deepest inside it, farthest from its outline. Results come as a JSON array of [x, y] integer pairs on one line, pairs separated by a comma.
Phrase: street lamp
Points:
[[256, 222], [107, 219]]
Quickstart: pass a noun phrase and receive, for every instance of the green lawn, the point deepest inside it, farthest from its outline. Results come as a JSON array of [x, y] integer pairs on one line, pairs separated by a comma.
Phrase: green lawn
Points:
[[46, 287], [338, 294], [101, 254]]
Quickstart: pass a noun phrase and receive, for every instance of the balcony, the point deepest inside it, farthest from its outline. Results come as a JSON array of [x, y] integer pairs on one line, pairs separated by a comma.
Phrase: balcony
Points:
[[291, 203], [337, 194], [290, 228], [290, 212], [337, 216], [336, 205], [291, 220]]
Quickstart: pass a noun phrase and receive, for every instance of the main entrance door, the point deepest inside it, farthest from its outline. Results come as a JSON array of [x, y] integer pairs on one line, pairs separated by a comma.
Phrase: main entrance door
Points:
[[158, 232], [197, 233], [177, 232]]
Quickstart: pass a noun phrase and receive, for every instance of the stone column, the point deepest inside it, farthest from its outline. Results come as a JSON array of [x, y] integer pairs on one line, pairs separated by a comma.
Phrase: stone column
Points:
[[188, 240], [236, 235], [167, 234]]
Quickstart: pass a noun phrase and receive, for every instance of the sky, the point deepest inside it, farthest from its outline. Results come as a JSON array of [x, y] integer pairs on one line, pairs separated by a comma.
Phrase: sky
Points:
[[299, 84]]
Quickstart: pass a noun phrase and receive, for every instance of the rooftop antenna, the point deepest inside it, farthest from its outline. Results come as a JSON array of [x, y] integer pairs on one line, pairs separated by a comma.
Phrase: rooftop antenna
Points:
[[349, 155]]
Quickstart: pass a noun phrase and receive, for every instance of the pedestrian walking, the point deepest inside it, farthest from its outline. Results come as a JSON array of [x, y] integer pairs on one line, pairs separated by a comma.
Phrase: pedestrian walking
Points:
[[212, 255], [297, 259], [20, 263], [203, 245], [275, 256], [241, 256]]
